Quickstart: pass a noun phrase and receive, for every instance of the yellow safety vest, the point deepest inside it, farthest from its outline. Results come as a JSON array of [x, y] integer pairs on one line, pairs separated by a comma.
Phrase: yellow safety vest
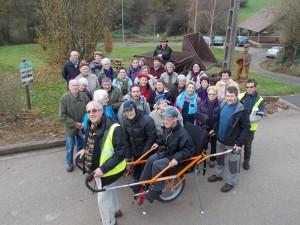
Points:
[[253, 126], [108, 151]]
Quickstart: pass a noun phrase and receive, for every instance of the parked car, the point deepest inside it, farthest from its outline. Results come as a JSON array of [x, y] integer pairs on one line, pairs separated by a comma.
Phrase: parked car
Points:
[[207, 40], [217, 40], [241, 40], [273, 52]]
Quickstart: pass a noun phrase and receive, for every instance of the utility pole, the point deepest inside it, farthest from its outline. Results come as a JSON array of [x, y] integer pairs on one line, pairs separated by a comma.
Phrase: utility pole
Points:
[[123, 22], [231, 34], [196, 14]]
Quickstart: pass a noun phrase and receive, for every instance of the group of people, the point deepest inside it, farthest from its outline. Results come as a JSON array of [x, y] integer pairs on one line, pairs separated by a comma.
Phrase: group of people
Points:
[[112, 116]]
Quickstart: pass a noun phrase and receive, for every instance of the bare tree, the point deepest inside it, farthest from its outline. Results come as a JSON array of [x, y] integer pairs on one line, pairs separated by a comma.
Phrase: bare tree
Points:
[[72, 25]]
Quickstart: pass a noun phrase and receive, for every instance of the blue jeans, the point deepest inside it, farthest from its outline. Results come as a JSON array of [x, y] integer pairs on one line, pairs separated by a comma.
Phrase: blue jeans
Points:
[[70, 142]]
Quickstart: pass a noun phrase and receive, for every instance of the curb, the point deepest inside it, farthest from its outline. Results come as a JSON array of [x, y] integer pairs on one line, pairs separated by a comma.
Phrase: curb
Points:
[[31, 146]]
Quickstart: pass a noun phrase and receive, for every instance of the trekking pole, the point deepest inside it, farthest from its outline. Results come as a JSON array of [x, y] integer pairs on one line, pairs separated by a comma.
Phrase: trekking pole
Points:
[[198, 189]]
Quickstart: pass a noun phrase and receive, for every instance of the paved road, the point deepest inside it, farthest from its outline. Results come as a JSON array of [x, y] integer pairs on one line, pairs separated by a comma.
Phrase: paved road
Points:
[[35, 189]]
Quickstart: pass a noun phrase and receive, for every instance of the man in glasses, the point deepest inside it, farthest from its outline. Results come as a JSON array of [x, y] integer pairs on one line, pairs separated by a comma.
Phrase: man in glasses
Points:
[[104, 155], [71, 111], [140, 134], [174, 145], [255, 106], [232, 129]]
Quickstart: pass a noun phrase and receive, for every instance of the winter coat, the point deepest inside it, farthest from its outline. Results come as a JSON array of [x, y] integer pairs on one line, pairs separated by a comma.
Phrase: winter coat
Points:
[[70, 71], [140, 133], [170, 80], [203, 108], [102, 74], [176, 143], [132, 73], [93, 83], [72, 110], [238, 126], [119, 144], [172, 94], [166, 52], [95, 67], [115, 98], [157, 73]]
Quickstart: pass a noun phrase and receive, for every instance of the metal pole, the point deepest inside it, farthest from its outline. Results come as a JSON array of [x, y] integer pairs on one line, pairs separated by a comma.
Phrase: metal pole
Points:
[[123, 22], [27, 93]]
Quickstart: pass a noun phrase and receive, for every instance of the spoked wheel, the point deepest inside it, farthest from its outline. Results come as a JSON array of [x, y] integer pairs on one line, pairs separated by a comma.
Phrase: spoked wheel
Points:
[[168, 194]]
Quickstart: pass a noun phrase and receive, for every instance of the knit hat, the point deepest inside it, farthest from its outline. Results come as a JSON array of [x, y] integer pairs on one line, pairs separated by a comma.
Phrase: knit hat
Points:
[[129, 105], [143, 75], [160, 98], [170, 111]]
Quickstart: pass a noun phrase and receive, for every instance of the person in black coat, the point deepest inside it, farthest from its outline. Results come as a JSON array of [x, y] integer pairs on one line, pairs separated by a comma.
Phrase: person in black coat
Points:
[[71, 69], [178, 88], [175, 144], [210, 107], [163, 51], [140, 134]]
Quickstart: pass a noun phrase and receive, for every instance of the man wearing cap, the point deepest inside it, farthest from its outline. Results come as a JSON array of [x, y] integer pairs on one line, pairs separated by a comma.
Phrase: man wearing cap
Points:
[[161, 103], [96, 66], [140, 134], [243, 64], [139, 100], [163, 51], [174, 145]]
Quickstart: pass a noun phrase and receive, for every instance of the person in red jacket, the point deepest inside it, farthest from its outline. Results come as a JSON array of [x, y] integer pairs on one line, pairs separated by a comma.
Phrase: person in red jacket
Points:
[[157, 68], [146, 90]]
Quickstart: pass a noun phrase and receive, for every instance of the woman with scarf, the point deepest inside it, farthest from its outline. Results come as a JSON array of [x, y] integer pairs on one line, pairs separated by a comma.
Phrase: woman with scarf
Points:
[[123, 83], [133, 70], [170, 76], [159, 90], [186, 102], [145, 70], [107, 71], [210, 107], [146, 90], [178, 88], [225, 82], [202, 91], [195, 74]]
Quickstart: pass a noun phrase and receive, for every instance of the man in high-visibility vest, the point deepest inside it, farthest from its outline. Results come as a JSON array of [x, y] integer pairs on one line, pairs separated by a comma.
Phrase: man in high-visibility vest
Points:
[[255, 106], [104, 154]]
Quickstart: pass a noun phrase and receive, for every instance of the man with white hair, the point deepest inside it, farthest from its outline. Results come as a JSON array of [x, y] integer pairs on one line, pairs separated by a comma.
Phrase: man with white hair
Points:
[[70, 69], [71, 111], [104, 155]]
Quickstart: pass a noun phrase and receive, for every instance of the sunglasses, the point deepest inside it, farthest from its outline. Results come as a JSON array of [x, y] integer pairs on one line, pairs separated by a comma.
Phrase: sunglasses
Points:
[[92, 111], [249, 87]]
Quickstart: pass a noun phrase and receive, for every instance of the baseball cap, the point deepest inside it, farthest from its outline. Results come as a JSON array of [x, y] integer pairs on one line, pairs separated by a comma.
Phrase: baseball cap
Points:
[[129, 105], [170, 111]]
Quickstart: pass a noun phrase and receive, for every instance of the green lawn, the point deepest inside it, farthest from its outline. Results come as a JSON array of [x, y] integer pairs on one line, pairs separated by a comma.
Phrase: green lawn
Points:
[[253, 7]]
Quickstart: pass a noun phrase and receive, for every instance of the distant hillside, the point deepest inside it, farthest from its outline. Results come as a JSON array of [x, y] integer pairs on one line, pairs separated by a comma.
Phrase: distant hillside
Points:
[[253, 7]]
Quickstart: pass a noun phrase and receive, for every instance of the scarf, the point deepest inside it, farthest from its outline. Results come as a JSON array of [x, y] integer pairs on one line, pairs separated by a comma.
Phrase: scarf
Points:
[[194, 76], [143, 90], [210, 109], [109, 73], [223, 90], [124, 85], [203, 94], [90, 148], [184, 97]]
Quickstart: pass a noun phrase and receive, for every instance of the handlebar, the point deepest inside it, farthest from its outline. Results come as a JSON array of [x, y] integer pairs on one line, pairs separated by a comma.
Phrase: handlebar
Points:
[[77, 162]]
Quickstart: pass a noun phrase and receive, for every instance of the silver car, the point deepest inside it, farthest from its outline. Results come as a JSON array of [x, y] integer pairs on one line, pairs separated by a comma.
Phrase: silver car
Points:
[[273, 52]]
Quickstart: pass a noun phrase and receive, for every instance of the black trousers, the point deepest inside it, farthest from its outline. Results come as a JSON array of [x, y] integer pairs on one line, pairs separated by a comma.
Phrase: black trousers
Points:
[[248, 146]]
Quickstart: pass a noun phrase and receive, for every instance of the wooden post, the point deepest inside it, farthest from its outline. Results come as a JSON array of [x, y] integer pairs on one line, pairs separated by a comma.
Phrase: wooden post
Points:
[[27, 92]]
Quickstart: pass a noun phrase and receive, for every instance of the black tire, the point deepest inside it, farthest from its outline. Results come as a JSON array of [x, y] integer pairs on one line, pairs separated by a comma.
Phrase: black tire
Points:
[[169, 195]]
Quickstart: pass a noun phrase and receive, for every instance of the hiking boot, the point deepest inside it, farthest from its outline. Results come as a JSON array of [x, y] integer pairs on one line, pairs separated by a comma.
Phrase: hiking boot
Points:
[[70, 168], [118, 214], [246, 165], [227, 187], [211, 164], [214, 178]]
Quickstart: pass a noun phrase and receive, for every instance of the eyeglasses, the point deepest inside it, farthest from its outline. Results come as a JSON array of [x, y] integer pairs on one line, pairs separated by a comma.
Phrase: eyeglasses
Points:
[[92, 111], [249, 87], [168, 119]]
